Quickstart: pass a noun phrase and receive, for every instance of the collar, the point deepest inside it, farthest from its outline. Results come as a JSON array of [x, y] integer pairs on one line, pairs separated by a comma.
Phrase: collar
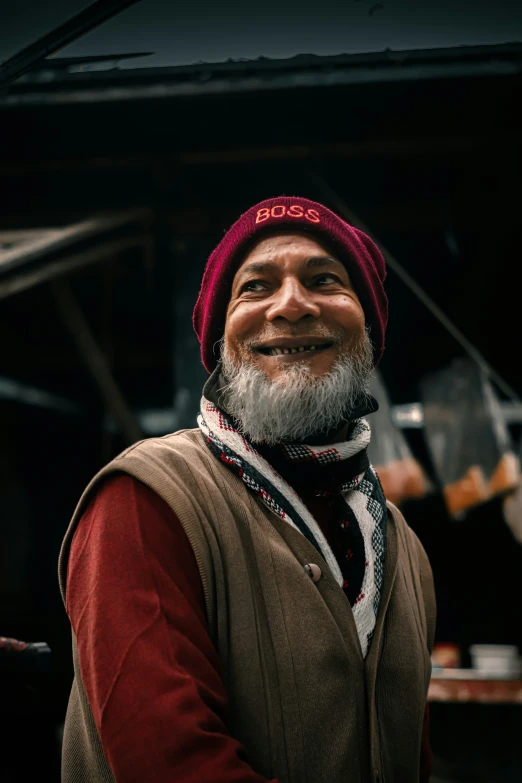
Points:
[[307, 477]]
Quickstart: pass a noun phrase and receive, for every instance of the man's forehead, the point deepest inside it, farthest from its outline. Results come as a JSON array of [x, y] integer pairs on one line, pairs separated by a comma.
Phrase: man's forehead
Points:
[[276, 247]]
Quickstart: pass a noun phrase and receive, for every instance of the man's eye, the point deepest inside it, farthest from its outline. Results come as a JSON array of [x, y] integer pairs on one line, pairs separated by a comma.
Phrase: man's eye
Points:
[[252, 286], [326, 279]]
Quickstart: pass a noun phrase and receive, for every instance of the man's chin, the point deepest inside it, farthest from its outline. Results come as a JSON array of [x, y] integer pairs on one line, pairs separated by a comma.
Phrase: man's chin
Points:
[[278, 367]]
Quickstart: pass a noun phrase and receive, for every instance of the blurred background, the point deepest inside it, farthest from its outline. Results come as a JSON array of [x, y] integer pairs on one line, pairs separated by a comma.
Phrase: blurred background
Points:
[[132, 134]]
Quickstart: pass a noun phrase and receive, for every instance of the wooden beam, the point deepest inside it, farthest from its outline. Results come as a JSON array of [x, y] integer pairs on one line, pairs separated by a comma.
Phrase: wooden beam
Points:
[[34, 245], [76, 323], [25, 279]]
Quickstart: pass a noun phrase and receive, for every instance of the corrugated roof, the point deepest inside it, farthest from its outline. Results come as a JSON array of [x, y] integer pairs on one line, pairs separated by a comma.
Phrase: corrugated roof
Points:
[[65, 86]]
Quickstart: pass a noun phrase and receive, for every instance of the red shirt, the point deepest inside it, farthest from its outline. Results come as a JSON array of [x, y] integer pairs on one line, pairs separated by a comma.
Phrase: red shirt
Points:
[[150, 671]]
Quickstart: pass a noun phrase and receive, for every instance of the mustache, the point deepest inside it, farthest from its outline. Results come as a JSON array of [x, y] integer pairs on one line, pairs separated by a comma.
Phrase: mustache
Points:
[[335, 336]]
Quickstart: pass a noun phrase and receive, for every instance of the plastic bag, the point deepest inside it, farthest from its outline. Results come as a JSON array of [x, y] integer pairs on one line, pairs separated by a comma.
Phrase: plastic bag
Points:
[[512, 509], [467, 436], [400, 474]]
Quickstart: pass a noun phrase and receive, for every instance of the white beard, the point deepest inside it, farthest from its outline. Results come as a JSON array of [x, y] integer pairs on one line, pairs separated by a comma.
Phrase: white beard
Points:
[[297, 405]]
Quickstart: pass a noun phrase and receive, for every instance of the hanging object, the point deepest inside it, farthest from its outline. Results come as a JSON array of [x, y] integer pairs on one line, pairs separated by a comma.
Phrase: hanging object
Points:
[[512, 509], [400, 474], [467, 436]]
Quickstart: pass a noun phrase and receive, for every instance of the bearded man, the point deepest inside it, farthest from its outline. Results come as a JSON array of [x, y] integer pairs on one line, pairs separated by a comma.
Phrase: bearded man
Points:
[[245, 605]]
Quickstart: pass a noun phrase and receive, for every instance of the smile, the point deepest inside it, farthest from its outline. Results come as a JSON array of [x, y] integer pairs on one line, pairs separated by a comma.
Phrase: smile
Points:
[[283, 351]]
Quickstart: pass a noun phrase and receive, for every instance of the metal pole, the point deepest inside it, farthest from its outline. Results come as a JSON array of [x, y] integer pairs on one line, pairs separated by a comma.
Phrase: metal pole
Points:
[[344, 210], [92, 16], [93, 357]]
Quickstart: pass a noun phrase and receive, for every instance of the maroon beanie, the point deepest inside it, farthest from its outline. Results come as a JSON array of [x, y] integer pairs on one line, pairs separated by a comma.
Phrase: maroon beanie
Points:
[[361, 257]]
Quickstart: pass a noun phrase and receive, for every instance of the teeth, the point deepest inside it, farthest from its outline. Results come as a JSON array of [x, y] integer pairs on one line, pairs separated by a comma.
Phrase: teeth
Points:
[[282, 351]]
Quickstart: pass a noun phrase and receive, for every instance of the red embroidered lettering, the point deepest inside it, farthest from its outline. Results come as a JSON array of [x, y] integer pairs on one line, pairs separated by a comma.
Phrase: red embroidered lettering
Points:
[[313, 216], [295, 210], [262, 214], [278, 214]]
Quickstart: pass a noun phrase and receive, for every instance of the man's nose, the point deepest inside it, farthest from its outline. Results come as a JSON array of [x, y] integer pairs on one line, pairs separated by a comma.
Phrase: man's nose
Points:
[[292, 301]]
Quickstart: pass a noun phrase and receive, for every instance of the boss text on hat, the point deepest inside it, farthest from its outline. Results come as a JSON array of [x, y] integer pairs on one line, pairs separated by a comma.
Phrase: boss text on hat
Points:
[[294, 211]]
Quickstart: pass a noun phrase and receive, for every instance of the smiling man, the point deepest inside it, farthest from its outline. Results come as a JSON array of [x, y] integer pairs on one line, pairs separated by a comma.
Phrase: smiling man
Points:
[[245, 605]]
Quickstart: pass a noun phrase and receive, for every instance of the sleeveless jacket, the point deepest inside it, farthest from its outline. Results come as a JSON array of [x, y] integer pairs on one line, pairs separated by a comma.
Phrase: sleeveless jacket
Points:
[[302, 700]]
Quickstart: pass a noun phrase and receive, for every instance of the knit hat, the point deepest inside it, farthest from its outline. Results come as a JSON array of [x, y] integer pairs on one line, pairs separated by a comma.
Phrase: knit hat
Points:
[[361, 257]]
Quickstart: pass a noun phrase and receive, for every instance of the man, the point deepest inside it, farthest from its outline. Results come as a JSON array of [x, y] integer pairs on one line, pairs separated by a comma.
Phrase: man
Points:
[[245, 607]]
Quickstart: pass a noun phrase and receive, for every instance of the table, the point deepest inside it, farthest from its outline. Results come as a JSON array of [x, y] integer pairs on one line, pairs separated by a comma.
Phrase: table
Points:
[[476, 725], [466, 688]]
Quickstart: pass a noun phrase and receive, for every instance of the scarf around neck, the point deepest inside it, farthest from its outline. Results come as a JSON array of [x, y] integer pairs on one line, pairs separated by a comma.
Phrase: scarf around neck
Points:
[[340, 470]]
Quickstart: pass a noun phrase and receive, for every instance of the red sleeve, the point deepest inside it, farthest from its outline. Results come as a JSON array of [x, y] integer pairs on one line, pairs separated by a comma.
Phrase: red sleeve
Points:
[[426, 759], [149, 668]]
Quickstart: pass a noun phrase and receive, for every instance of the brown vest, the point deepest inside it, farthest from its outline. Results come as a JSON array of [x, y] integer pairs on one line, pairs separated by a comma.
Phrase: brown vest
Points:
[[302, 700]]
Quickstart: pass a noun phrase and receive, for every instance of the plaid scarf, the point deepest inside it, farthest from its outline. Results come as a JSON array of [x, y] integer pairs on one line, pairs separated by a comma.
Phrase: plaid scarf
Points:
[[345, 474]]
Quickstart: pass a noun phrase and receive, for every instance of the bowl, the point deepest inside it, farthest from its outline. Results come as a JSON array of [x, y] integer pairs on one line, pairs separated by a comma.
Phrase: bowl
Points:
[[499, 659]]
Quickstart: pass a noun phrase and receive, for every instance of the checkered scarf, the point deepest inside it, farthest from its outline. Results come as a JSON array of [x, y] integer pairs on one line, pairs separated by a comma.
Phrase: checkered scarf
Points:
[[361, 496]]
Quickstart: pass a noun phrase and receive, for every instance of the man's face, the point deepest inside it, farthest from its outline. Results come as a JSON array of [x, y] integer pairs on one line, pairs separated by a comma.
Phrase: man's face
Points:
[[292, 301]]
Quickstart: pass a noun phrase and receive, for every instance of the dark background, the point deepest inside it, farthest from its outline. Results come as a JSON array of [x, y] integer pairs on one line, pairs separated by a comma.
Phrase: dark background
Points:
[[424, 148]]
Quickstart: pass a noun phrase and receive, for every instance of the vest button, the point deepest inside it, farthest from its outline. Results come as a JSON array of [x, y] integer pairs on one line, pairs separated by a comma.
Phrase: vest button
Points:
[[313, 571]]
